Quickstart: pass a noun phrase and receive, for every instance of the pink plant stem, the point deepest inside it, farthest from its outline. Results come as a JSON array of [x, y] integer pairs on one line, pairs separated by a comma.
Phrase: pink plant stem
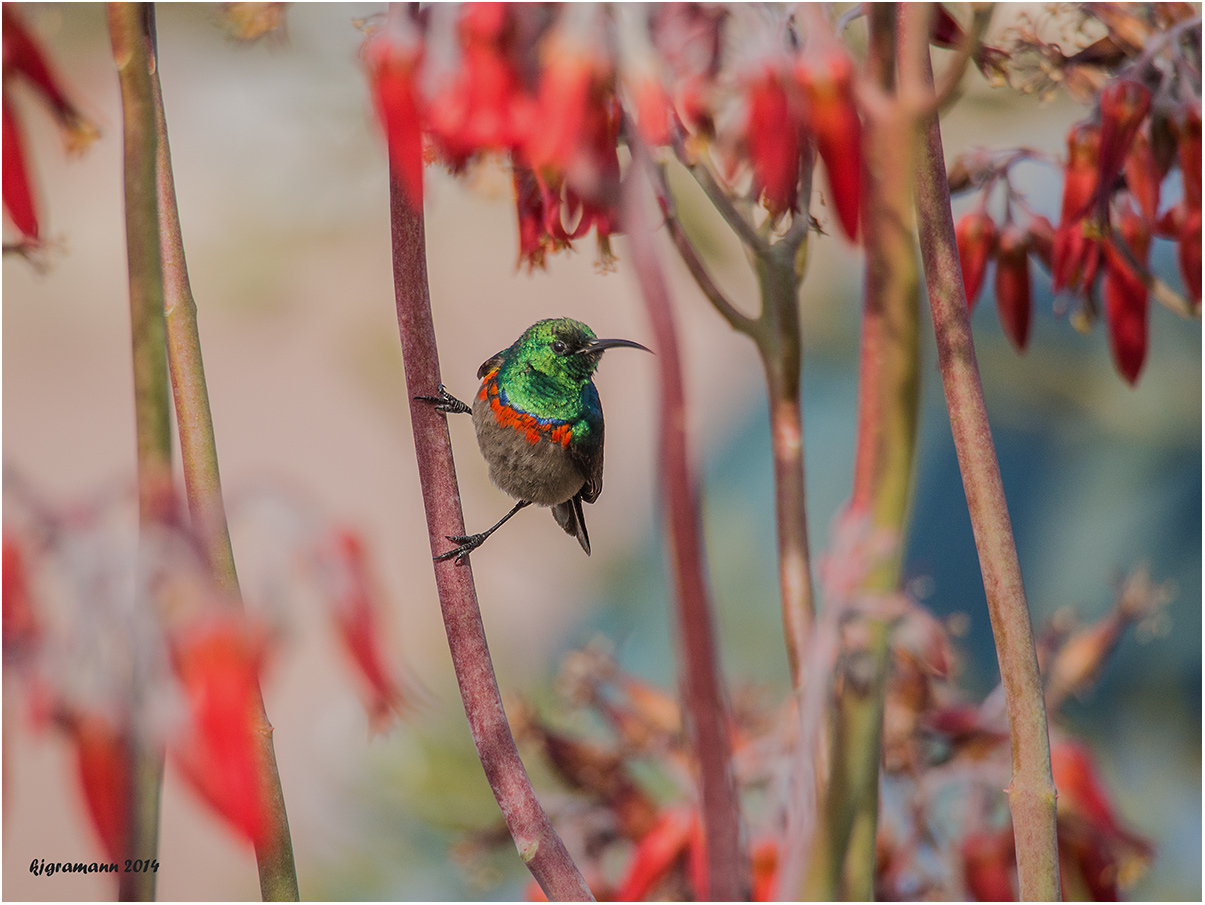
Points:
[[1031, 793], [728, 873], [203, 487], [539, 846]]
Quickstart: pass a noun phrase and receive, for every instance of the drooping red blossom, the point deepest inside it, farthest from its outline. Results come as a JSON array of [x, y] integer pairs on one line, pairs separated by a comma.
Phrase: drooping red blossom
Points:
[[832, 113], [218, 663], [355, 607], [989, 864], [393, 56], [574, 114], [536, 241], [773, 138], [1127, 299], [21, 625], [485, 106], [24, 58], [975, 235], [1082, 171], [652, 110], [104, 760], [1124, 103], [1075, 255], [573, 150], [1188, 144], [1014, 300], [1142, 176], [671, 840], [23, 55], [1095, 849], [18, 193]]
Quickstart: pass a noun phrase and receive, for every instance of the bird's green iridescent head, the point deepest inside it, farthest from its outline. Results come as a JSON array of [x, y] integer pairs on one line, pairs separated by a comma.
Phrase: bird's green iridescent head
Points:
[[562, 350]]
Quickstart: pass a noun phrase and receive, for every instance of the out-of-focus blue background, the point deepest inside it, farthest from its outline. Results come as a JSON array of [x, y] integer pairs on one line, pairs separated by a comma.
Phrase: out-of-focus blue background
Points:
[[282, 185]]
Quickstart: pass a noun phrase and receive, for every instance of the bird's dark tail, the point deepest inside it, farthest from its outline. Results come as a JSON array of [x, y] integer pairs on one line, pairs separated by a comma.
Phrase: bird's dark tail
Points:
[[569, 516]]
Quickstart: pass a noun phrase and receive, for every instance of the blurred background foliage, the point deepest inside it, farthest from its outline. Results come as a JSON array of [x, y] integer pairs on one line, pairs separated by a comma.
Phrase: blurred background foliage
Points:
[[282, 188]]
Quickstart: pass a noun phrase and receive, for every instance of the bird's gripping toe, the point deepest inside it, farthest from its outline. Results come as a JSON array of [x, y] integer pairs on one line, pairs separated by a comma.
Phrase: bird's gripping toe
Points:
[[446, 402]]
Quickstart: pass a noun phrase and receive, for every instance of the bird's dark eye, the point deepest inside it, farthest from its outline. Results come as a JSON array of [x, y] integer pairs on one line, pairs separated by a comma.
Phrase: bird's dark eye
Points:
[[559, 347]]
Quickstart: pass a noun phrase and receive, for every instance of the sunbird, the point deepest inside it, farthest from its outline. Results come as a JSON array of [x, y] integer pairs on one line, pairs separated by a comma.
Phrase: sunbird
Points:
[[539, 424]]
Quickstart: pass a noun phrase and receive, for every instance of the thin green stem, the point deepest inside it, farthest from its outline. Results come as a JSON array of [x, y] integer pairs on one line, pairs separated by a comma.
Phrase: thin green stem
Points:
[[203, 487], [888, 396], [781, 347], [128, 34], [1031, 793]]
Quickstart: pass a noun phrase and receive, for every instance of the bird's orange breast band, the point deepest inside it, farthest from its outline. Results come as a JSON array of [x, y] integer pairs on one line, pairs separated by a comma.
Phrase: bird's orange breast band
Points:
[[534, 429]]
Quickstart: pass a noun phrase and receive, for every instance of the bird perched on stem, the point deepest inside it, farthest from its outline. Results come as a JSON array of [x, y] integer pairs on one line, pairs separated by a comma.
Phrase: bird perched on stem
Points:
[[539, 424]]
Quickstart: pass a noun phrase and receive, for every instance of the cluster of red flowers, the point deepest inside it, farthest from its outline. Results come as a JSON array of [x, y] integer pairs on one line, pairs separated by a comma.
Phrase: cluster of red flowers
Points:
[[1146, 121], [24, 60], [944, 831], [555, 90], [84, 654]]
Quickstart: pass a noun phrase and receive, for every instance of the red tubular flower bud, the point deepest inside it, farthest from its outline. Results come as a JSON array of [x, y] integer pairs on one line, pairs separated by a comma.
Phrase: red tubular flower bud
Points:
[[989, 864], [1124, 103], [1127, 300], [1188, 144], [652, 111], [1074, 256], [1188, 254], [393, 65], [976, 238], [1014, 300], [772, 135], [833, 117], [354, 606], [218, 665], [18, 194], [534, 241], [657, 853], [23, 55], [104, 760], [1142, 176], [1082, 171]]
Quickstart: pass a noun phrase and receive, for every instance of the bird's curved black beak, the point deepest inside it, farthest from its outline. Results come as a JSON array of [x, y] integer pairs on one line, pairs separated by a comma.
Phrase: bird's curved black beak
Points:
[[601, 345]]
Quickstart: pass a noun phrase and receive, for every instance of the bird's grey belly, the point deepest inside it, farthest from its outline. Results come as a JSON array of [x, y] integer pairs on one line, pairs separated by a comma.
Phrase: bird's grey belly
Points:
[[542, 472]]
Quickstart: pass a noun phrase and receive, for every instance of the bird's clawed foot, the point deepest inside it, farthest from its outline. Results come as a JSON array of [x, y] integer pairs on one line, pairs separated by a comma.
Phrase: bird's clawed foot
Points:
[[449, 404], [467, 543]]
